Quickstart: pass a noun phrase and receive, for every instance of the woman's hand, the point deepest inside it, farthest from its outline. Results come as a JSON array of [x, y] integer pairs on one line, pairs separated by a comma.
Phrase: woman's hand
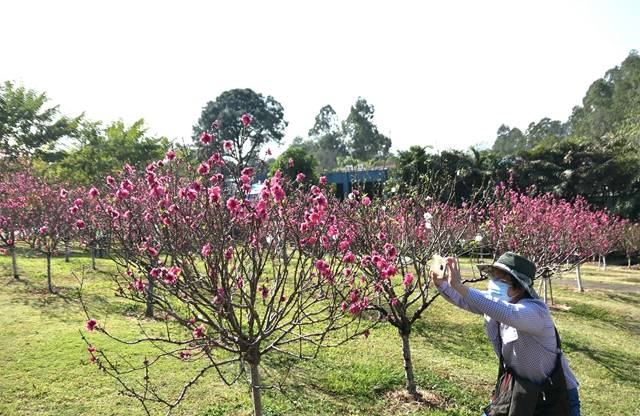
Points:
[[454, 277], [436, 279]]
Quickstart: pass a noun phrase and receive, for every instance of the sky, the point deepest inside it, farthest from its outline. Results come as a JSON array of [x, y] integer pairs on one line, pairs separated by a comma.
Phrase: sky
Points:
[[445, 74]]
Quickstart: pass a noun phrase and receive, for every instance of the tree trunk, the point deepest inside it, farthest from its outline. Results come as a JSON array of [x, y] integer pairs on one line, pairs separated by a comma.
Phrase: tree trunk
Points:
[[408, 365], [93, 257], [149, 311], [14, 263], [579, 279], [67, 251], [551, 291], [49, 285], [255, 389], [546, 285], [604, 262], [628, 262]]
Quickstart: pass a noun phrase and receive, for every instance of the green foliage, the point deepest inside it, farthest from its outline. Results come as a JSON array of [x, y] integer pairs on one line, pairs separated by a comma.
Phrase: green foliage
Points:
[[363, 139], [267, 123], [326, 135], [104, 150], [593, 154], [28, 127], [610, 101], [303, 162]]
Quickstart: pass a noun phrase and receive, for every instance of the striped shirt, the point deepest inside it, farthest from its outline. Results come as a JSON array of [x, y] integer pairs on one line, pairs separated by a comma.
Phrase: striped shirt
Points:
[[526, 328]]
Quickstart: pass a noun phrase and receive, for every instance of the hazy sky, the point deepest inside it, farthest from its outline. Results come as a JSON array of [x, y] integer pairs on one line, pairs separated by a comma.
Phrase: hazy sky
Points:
[[444, 73]]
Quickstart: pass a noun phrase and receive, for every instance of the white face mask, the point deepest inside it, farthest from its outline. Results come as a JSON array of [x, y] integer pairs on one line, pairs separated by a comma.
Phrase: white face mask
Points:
[[499, 289]]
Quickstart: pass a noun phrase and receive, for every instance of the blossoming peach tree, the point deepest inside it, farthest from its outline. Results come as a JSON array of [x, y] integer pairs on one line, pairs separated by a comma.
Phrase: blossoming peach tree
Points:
[[398, 238], [235, 276], [557, 235]]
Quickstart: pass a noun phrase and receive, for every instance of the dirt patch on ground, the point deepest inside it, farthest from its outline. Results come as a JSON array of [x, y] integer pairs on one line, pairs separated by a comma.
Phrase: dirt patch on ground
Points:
[[399, 402]]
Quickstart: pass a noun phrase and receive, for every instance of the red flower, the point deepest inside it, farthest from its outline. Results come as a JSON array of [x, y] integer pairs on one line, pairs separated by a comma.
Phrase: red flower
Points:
[[206, 138], [198, 332], [91, 324], [80, 224], [170, 155], [246, 119]]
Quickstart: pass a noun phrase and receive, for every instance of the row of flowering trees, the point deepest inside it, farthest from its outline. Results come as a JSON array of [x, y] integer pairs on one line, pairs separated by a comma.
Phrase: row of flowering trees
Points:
[[241, 276], [38, 214]]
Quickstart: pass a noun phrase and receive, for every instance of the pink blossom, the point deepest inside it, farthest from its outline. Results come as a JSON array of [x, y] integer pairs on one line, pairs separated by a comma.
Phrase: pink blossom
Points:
[[323, 180], [185, 355], [278, 193], [204, 168], [408, 279], [43, 230], [122, 193], [91, 324], [394, 301], [170, 155], [246, 119], [227, 145], [291, 162], [228, 253], [139, 285], [110, 180], [214, 194], [263, 291], [206, 250], [63, 193], [205, 138], [300, 177], [349, 257], [198, 332], [93, 192], [233, 204], [366, 201], [80, 224]]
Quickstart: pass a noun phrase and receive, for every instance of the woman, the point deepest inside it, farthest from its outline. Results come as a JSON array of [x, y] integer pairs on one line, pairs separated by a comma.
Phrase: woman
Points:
[[523, 335]]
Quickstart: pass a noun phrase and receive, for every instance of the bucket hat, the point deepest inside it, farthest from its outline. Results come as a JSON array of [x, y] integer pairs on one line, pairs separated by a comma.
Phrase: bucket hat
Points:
[[521, 268]]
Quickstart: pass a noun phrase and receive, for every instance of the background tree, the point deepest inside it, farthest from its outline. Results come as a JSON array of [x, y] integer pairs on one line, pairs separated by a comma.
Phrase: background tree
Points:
[[631, 241], [363, 140], [28, 127], [296, 160], [326, 135], [509, 140], [103, 150], [266, 117]]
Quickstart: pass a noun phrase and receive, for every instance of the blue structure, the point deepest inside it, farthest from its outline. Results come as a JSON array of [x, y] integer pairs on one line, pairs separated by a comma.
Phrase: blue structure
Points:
[[369, 181]]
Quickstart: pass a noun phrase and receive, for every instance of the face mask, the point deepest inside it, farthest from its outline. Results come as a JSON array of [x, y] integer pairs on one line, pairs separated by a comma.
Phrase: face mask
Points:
[[498, 289]]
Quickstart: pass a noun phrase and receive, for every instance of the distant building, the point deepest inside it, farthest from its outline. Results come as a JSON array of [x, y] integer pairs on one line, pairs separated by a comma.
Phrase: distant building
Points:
[[370, 181]]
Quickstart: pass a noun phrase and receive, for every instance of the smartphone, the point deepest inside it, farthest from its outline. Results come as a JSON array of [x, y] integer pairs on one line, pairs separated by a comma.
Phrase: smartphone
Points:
[[439, 266]]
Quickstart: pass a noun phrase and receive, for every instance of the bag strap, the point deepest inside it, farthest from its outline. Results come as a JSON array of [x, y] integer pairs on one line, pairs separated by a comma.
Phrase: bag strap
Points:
[[558, 343]]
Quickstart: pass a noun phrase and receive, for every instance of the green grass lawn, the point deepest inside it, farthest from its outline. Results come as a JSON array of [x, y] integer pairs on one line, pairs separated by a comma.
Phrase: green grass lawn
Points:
[[44, 364]]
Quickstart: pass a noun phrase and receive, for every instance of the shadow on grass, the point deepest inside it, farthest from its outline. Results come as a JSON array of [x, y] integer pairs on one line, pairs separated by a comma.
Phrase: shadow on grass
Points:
[[64, 304], [622, 366], [595, 313], [464, 340]]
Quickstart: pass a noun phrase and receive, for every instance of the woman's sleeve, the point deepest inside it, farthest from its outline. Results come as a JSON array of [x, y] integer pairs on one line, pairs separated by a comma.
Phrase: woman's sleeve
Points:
[[525, 316], [455, 298]]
